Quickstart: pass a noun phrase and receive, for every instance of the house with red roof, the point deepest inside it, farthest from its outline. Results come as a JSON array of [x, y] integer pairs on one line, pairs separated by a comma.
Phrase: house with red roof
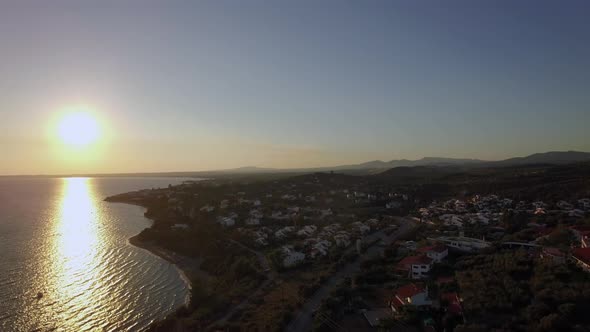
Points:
[[410, 294], [416, 267], [437, 252], [582, 257]]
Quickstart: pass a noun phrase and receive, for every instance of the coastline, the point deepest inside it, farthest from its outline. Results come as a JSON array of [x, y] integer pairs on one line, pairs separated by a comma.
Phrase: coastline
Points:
[[166, 255], [184, 265]]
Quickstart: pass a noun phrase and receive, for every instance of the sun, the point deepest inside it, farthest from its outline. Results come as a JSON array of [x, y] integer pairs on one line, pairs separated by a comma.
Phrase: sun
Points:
[[78, 129]]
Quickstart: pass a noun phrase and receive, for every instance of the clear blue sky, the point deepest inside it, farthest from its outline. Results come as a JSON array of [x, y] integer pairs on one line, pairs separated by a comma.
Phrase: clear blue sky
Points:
[[193, 85]]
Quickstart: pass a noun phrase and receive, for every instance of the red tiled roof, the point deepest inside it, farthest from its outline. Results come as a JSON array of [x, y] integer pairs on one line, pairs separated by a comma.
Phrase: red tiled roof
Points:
[[582, 254], [409, 290], [407, 262], [454, 305]]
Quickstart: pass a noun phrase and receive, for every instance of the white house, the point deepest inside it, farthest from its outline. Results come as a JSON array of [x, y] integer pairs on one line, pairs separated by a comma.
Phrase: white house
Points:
[[252, 221], [360, 227], [284, 232], [452, 220], [462, 243], [342, 239], [207, 208], [307, 230], [256, 214], [291, 257], [436, 252], [416, 267], [226, 221], [564, 205]]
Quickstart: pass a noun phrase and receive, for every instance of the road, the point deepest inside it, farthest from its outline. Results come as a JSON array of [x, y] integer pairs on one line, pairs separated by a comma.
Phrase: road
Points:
[[303, 318]]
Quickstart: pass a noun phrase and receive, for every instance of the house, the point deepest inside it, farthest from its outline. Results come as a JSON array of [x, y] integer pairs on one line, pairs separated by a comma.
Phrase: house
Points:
[[417, 267], [584, 203], [582, 258], [207, 208], [226, 221], [576, 213], [360, 227], [451, 220], [342, 239], [256, 214], [410, 294], [319, 248], [307, 230], [252, 221], [463, 243], [437, 252], [563, 205], [284, 232], [291, 257], [224, 204]]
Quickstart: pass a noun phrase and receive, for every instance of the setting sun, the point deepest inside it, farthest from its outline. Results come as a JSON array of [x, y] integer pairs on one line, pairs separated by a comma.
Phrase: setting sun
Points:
[[78, 129]]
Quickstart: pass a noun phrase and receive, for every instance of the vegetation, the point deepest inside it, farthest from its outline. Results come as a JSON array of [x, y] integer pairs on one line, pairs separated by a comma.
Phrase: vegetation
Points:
[[514, 292]]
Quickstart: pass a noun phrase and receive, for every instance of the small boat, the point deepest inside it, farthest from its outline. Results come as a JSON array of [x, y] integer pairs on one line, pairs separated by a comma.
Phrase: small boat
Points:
[[39, 295]]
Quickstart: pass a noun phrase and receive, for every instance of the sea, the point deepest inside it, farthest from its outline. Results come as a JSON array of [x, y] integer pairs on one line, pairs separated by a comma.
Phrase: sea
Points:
[[66, 263]]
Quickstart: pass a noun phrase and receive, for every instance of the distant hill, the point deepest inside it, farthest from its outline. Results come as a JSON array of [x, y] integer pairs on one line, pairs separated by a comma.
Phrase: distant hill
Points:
[[377, 166], [552, 158]]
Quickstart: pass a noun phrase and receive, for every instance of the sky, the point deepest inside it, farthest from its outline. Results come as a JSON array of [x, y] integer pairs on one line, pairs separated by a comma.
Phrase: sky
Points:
[[201, 85]]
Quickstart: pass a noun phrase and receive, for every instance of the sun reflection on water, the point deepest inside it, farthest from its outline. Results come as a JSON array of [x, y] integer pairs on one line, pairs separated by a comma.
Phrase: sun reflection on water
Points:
[[77, 243]]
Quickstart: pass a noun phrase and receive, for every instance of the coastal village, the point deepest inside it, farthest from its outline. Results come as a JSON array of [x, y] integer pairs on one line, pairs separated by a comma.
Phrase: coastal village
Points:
[[332, 253]]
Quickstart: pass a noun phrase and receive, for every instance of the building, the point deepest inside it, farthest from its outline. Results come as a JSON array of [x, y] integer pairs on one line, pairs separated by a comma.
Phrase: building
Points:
[[226, 221], [416, 267], [292, 257], [463, 243], [437, 252], [410, 294]]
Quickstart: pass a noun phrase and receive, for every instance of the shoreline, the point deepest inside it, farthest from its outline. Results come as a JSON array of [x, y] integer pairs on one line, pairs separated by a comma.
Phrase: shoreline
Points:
[[165, 255], [184, 265]]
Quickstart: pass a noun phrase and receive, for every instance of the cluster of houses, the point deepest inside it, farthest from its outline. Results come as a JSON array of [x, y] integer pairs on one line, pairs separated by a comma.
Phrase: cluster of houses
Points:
[[313, 241], [489, 209], [416, 268], [479, 210]]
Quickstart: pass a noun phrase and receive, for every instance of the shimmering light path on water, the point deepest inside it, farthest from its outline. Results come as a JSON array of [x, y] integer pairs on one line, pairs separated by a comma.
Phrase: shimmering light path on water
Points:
[[66, 263]]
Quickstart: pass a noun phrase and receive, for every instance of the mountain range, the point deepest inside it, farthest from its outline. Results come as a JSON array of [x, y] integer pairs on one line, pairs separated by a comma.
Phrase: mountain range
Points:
[[549, 158]]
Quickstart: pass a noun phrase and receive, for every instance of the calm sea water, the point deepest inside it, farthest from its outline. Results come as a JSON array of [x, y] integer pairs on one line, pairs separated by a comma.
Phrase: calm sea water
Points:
[[58, 238]]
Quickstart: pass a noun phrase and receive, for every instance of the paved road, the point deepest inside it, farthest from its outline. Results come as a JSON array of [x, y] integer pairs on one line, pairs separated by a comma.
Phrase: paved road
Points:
[[303, 318]]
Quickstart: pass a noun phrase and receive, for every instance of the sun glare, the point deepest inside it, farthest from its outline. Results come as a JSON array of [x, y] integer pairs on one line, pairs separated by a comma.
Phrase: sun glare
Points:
[[78, 129]]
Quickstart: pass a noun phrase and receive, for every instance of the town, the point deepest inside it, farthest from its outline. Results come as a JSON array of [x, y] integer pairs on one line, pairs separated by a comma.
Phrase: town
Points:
[[334, 252]]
